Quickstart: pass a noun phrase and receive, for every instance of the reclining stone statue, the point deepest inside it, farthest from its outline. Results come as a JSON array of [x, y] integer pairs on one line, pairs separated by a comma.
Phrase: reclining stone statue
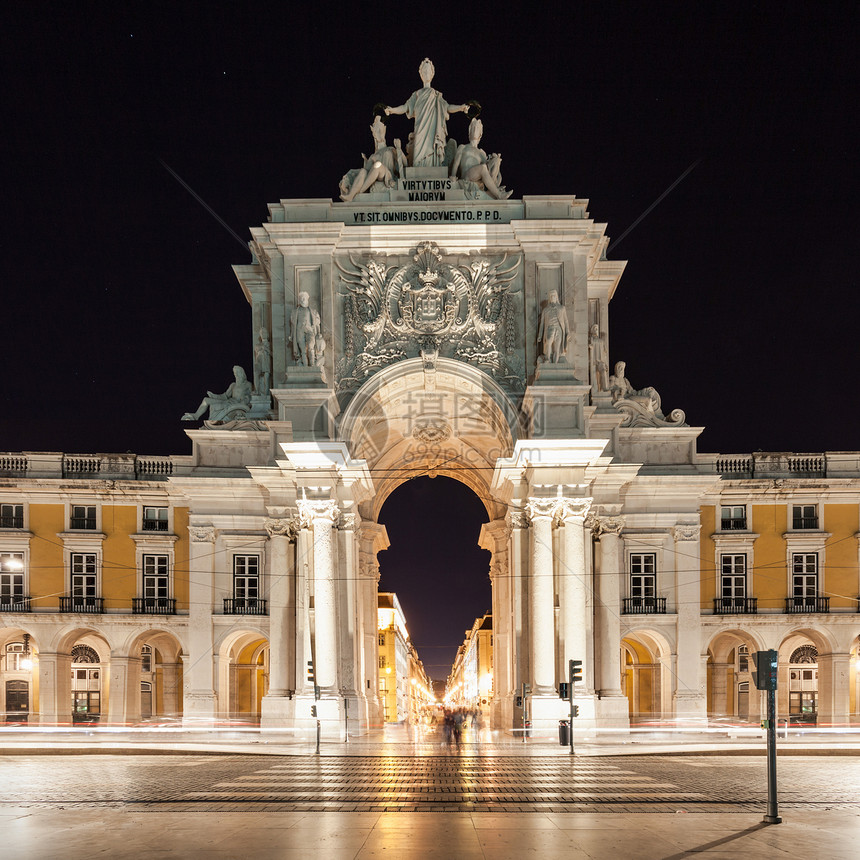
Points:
[[235, 402]]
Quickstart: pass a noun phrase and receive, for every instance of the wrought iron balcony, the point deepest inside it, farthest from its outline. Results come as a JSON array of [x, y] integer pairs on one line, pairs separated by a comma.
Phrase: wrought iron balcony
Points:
[[155, 525], [14, 604], [644, 606], [90, 605], [804, 522], [795, 605], [82, 523], [245, 606], [734, 524], [153, 605], [12, 522], [735, 605]]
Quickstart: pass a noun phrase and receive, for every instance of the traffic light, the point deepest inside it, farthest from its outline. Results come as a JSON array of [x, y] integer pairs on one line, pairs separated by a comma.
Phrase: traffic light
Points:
[[518, 701], [564, 691], [313, 710], [766, 665], [576, 671], [575, 710]]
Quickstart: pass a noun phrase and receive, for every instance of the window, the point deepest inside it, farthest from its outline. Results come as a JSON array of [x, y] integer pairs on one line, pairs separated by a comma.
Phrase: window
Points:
[[804, 576], [11, 578], [246, 580], [382, 639], [733, 567], [17, 657], [11, 516], [146, 658], [84, 578], [154, 519], [382, 663], [804, 517], [643, 577], [733, 518], [83, 517], [156, 580], [743, 659]]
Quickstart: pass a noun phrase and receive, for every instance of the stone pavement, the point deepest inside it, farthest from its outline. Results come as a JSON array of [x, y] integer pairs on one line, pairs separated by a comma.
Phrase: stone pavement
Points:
[[127, 834]]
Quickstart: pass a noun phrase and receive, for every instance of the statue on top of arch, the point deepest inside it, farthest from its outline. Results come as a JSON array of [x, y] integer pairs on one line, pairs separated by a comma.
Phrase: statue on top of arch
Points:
[[471, 173]]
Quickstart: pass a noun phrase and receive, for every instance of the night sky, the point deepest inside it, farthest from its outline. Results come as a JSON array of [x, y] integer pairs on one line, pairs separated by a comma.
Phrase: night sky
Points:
[[120, 307]]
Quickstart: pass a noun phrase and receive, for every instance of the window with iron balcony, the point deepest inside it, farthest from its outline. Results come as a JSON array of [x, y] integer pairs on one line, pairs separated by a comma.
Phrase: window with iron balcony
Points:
[[804, 516], [11, 516], [733, 518], [83, 517]]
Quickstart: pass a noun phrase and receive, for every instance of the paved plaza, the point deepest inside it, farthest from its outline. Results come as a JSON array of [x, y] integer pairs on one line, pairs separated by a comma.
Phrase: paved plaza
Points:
[[458, 805]]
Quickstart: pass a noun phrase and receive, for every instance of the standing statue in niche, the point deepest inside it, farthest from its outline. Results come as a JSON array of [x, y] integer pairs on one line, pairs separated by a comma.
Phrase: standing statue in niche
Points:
[[472, 164], [383, 164], [599, 359], [263, 361], [553, 330], [233, 403], [430, 112], [304, 330]]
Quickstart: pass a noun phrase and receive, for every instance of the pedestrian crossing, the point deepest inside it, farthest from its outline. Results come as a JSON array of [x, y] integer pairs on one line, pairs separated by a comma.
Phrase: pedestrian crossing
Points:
[[442, 783]]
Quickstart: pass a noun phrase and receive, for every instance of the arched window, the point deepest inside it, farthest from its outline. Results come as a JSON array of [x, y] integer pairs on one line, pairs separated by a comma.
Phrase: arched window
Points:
[[84, 654], [804, 654]]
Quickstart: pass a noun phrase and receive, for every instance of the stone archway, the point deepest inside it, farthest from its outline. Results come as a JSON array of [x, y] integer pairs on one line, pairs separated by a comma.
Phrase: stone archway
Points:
[[442, 418]]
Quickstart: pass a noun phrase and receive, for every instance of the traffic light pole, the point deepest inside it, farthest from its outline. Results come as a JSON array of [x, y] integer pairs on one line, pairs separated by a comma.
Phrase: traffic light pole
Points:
[[772, 816], [572, 708]]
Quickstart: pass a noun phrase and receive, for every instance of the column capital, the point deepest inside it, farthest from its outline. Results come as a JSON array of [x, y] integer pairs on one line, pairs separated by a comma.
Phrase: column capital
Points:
[[280, 527], [686, 532], [201, 534], [573, 509], [610, 526], [537, 508], [517, 520], [319, 509], [348, 522]]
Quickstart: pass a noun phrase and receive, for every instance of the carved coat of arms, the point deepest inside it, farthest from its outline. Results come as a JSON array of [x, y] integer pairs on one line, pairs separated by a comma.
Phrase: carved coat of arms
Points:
[[429, 307]]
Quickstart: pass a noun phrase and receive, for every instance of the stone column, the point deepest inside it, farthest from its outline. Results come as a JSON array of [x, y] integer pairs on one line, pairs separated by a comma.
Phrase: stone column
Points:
[[542, 597], [55, 689], [124, 694], [281, 606], [199, 686], [574, 586], [520, 658], [608, 612], [690, 698], [323, 516]]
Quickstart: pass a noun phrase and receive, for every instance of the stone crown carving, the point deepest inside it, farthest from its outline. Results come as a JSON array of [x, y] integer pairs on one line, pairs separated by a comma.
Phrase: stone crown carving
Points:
[[319, 509]]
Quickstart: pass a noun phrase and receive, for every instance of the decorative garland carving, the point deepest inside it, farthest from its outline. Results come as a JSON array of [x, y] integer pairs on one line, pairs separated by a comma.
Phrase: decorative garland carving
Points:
[[201, 534], [686, 532]]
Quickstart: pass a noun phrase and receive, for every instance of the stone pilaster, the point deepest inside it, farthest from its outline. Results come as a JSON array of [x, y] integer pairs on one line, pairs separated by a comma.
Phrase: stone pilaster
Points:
[[690, 694], [124, 695], [609, 579], [55, 689], [573, 577], [281, 605], [199, 686]]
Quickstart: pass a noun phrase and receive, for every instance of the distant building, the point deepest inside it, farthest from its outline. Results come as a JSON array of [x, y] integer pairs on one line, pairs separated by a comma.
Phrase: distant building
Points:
[[404, 688], [470, 683]]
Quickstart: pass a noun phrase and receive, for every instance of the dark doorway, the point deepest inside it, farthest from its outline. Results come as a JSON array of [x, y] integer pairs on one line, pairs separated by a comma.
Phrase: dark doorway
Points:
[[17, 701]]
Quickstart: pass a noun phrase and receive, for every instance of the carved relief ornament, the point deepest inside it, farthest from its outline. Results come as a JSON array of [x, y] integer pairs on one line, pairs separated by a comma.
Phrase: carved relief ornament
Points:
[[686, 532], [279, 527], [427, 307], [537, 508], [517, 520], [611, 526], [201, 534]]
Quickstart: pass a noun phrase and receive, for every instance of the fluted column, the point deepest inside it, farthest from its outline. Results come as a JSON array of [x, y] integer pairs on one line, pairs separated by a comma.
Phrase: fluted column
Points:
[[541, 597], [574, 585], [609, 605], [281, 604], [323, 516], [199, 687]]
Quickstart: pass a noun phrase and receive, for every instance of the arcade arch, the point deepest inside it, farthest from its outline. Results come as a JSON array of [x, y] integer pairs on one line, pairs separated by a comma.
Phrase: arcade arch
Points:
[[243, 674]]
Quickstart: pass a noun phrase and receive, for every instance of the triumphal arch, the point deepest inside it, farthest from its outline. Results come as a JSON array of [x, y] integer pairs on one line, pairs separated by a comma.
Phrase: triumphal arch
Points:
[[432, 322]]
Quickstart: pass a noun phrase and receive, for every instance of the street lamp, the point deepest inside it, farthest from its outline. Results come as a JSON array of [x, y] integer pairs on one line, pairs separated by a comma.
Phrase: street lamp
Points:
[[27, 661]]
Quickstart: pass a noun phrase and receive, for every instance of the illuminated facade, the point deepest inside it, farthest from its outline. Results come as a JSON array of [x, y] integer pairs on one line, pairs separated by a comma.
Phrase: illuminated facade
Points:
[[470, 683], [451, 331], [404, 688]]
